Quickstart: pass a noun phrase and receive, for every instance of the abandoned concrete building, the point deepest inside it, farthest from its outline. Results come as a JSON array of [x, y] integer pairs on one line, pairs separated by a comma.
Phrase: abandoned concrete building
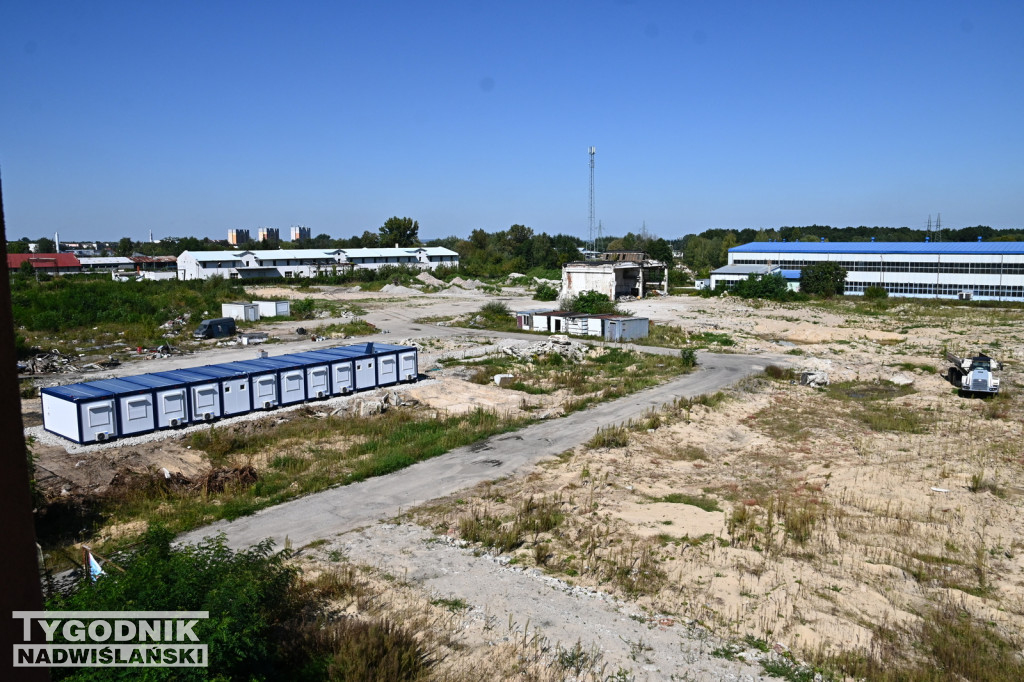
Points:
[[617, 274]]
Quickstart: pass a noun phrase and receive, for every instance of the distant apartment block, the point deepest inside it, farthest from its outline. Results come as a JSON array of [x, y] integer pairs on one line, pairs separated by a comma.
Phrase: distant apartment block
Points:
[[236, 237], [269, 234], [299, 233]]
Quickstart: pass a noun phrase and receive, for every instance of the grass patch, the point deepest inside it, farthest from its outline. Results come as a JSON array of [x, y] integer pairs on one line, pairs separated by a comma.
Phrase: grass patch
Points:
[[708, 504], [346, 329], [609, 437]]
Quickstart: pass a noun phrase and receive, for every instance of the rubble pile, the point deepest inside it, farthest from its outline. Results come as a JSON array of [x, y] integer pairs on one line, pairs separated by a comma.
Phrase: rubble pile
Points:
[[53, 362], [557, 343], [430, 280], [467, 283]]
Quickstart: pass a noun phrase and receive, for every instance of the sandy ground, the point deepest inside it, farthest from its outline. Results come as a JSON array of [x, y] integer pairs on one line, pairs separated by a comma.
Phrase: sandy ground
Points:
[[829, 523]]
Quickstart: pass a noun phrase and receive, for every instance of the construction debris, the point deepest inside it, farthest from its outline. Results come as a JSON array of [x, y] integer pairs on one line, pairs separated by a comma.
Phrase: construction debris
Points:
[[53, 362], [557, 343], [430, 280], [814, 379]]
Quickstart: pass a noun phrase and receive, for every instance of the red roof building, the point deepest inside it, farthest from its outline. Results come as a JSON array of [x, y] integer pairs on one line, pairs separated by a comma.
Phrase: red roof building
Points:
[[53, 263]]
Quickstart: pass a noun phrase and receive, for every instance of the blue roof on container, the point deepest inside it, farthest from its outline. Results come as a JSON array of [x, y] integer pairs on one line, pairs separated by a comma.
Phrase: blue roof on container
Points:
[[299, 359], [115, 386], [221, 371], [968, 248], [77, 392], [348, 352], [322, 356], [391, 347], [271, 363], [249, 367], [185, 375], [155, 381]]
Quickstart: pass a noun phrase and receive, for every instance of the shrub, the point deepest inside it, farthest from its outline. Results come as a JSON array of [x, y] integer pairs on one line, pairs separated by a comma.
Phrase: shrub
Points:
[[875, 293], [590, 303], [545, 292]]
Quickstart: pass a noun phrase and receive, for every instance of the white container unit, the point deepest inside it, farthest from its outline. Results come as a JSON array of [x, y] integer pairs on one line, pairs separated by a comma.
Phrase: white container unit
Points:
[[407, 364], [83, 414], [291, 379], [134, 409], [235, 395], [317, 373], [262, 380], [203, 394], [341, 380], [274, 308], [170, 399], [364, 365], [244, 312]]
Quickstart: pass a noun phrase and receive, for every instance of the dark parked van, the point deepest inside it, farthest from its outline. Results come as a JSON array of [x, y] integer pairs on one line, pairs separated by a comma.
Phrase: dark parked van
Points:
[[215, 329]]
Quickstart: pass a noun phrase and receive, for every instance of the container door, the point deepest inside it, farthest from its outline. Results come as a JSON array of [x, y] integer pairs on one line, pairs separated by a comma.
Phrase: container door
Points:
[[264, 391], [343, 377], [205, 402], [317, 381], [171, 408], [98, 421], [236, 396], [293, 387], [366, 376], [388, 369], [409, 370], [137, 414]]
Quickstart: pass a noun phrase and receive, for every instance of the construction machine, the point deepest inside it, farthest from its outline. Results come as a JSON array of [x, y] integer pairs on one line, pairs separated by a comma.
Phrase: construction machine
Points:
[[974, 375]]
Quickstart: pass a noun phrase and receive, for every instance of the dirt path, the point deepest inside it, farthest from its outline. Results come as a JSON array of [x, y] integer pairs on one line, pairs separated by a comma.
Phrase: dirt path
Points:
[[506, 601], [341, 509]]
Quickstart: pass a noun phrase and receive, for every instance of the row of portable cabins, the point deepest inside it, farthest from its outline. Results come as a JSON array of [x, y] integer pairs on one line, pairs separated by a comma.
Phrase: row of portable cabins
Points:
[[102, 410], [608, 327]]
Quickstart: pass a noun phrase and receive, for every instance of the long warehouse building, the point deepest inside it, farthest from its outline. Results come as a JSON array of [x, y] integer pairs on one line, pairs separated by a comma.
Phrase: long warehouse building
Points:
[[991, 271]]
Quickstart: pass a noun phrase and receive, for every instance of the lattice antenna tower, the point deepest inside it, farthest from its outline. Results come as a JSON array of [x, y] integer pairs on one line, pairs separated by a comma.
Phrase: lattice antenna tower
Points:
[[592, 244], [938, 227]]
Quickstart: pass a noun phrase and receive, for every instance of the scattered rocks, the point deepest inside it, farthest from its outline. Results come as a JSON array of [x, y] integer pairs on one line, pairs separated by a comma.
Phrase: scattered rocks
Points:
[[504, 380], [814, 379], [557, 343], [901, 380]]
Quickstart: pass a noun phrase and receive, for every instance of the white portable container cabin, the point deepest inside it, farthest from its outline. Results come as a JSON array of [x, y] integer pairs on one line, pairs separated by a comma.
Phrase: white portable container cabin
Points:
[[170, 398], [203, 394], [245, 312], [235, 395], [263, 383], [524, 318], [291, 379], [83, 414], [317, 374], [578, 325], [626, 328], [555, 321], [364, 365], [342, 372], [133, 406], [274, 308], [408, 361]]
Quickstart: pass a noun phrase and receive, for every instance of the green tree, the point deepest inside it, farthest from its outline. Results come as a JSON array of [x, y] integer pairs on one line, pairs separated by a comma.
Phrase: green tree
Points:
[[728, 241], [399, 232], [125, 247], [45, 245], [659, 249], [17, 247], [26, 268], [823, 279]]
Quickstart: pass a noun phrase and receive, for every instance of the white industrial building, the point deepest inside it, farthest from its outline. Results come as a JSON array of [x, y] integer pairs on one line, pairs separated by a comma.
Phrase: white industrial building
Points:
[[728, 275], [979, 270], [305, 262]]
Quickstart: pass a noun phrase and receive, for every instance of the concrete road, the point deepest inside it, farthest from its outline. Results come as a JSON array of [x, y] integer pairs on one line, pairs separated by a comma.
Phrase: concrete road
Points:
[[344, 508]]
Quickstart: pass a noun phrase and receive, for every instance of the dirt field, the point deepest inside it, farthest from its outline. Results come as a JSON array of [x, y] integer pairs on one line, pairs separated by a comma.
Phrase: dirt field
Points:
[[823, 521]]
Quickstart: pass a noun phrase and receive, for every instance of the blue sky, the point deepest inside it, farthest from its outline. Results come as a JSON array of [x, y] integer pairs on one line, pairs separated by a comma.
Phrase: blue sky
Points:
[[196, 117]]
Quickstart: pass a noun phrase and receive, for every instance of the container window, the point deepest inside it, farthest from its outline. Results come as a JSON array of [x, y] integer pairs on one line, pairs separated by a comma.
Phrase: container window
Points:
[[99, 415], [205, 398], [138, 409]]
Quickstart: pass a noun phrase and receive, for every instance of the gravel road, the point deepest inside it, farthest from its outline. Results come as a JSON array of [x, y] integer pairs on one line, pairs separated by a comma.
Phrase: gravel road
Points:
[[341, 509]]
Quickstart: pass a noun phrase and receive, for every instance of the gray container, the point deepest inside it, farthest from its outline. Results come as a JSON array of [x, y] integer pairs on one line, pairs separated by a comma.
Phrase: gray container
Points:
[[170, 399]]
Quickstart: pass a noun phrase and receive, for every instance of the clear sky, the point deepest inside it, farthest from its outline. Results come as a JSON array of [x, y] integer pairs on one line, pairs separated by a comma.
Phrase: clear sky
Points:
[[193, 117]]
